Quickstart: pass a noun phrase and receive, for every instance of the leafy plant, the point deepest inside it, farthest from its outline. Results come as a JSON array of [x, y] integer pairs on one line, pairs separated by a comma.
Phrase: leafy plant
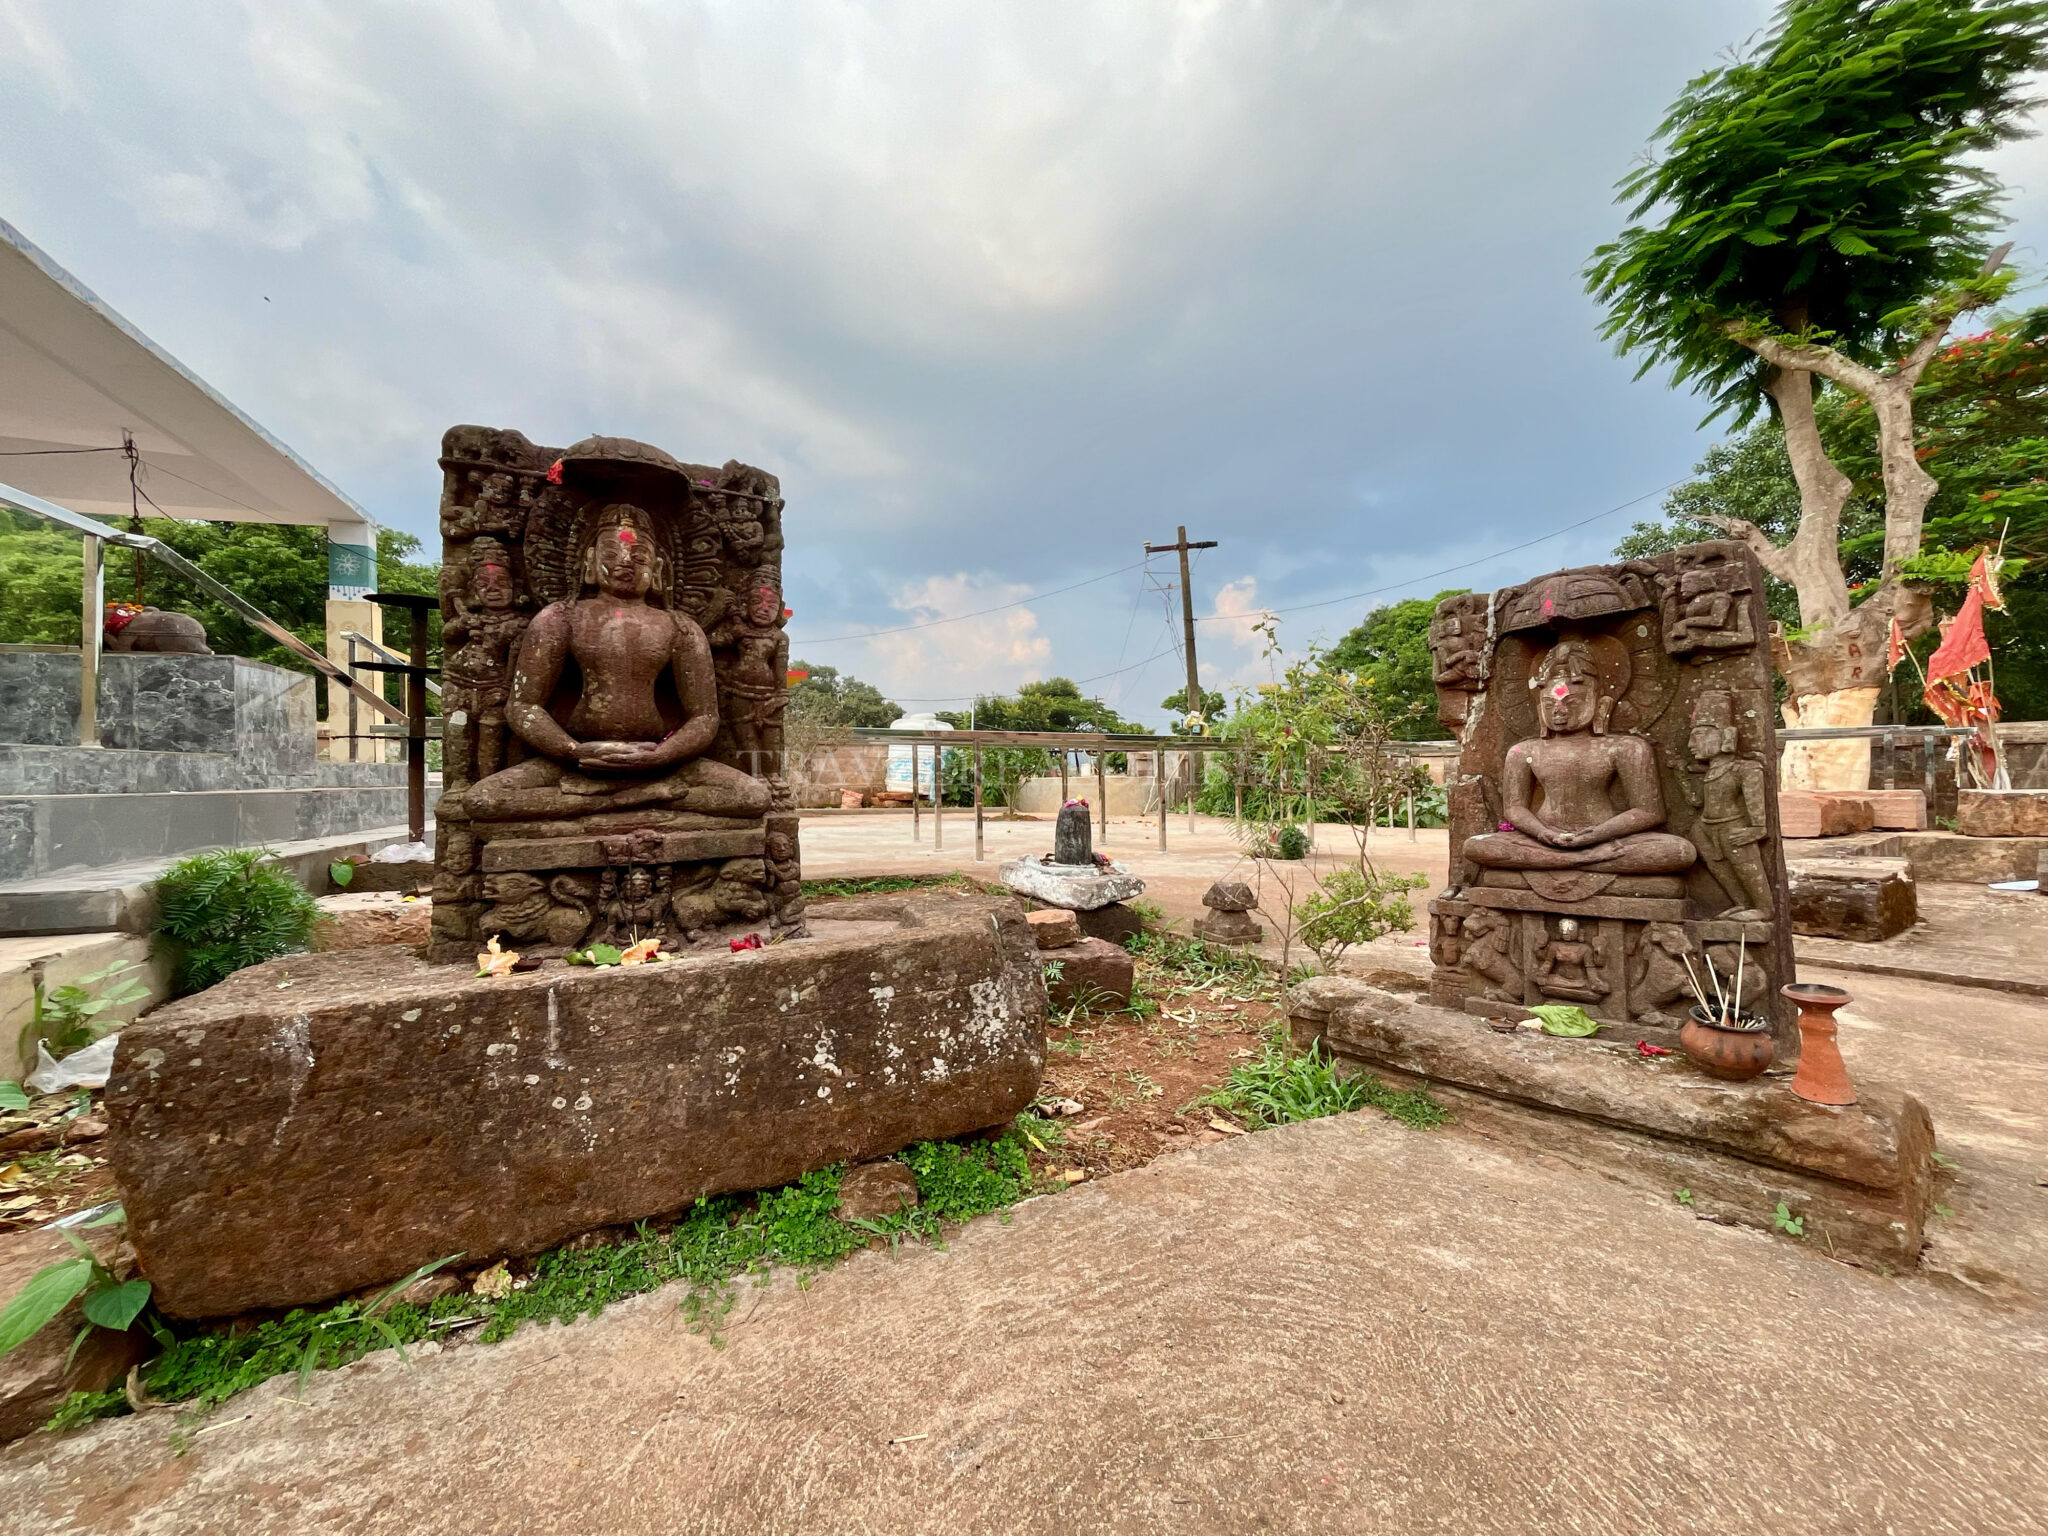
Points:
[[108, 1302], [342, 872], [1356, 906], [229, 909], [12, 1096], [66, 1017], [1683, 1197], [1282, 1085], [1783, 1220]]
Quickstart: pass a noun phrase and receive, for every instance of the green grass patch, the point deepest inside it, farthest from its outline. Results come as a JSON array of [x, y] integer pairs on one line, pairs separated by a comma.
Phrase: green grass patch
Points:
[[877, 885], [718, 1241], [1192, 960], [1282, 1085]]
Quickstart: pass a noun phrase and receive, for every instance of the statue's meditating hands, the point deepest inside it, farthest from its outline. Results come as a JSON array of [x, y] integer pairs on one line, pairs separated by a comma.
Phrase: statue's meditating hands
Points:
[[1576, 797], [613, 749]]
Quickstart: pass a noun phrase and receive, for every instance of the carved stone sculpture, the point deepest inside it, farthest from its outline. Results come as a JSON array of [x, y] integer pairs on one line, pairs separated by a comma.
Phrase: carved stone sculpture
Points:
[[1613, 812], [612, 767]]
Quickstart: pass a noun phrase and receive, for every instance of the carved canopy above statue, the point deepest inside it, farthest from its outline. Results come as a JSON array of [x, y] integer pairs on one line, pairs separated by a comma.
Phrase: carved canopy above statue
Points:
[[613, 693]]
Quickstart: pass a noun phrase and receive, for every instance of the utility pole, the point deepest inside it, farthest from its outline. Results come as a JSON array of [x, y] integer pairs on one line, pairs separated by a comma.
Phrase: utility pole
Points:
[[1187, 620]]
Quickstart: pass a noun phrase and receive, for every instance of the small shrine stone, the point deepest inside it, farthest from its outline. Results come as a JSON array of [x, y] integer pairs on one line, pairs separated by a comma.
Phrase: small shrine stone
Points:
[[1073, 838], [1078, 888], [1228, 926], [1230, 896]]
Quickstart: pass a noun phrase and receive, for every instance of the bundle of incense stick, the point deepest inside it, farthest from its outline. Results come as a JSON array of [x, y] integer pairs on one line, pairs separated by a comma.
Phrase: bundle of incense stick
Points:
[[1725, 1005]]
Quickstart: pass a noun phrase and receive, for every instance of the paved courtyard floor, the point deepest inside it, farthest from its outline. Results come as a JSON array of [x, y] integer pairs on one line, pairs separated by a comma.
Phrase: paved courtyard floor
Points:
[[1344, 1326]]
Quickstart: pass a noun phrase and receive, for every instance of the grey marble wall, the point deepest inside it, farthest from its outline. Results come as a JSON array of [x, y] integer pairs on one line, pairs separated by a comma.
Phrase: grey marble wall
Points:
[[38, 698]]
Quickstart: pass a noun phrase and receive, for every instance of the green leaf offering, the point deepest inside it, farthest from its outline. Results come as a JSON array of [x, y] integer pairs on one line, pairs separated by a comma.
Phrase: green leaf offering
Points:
[[597, 954], [116, 1306], [12, 1097], [1567, 1019], [341, 872], [48, 1292]]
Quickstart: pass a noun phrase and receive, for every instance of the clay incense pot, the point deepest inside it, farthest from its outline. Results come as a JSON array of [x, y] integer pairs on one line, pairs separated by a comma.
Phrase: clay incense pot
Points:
[[1736, 1051], [1821, 1078]]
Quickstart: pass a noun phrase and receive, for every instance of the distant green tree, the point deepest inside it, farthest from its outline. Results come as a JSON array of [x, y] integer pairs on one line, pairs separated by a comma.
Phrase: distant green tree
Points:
[[1214, 710], [1055, 704], [1390, 651], [829, 698]]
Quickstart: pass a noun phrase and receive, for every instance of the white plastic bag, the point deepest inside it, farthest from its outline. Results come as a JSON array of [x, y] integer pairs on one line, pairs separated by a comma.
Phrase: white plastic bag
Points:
[[87, 1068]]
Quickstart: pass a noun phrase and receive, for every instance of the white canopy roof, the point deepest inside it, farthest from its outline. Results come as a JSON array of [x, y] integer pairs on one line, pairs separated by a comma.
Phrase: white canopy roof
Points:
[[74, 374]]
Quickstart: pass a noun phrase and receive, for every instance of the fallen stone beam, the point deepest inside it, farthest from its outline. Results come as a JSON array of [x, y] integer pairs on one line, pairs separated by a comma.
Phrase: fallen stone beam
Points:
[[326, 1122]]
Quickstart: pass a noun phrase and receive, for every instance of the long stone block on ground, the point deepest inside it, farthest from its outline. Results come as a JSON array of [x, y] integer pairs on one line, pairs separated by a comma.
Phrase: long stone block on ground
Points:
[[326, 1122], [1819, 813], [1862, 1176], [1867, 900], [2002, 812]]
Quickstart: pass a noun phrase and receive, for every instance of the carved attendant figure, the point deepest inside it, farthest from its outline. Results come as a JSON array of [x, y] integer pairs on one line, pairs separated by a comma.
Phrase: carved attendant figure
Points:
[[757, 680], [1578, 798], [480, 639], [1730, 800], [612, 749]]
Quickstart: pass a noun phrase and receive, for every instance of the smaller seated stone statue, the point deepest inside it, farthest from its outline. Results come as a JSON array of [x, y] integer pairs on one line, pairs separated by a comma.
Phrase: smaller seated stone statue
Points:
[[1576, 797], [612, 750], [1569, 967]]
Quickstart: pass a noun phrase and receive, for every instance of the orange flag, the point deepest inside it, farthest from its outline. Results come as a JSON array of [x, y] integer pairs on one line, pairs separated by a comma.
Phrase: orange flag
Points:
[[1963, 644]]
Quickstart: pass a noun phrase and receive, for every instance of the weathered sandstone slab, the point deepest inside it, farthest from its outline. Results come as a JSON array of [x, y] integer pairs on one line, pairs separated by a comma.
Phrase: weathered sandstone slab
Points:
[[1867, 900], [325, 1122], [1865, 1171], [1821, 813], [2002, 812], [1093, 971]]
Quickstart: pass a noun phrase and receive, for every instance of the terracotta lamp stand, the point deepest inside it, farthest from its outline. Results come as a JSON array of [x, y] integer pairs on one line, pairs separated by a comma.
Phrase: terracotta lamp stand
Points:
[[1821, 1078]]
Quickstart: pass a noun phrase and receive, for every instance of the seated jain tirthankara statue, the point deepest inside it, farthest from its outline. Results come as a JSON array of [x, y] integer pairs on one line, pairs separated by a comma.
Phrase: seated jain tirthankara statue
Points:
[[1613, 812], [606, 775]]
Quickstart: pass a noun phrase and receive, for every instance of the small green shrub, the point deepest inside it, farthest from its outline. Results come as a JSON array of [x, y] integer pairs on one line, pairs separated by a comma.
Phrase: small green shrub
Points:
[[1291, 843], [1282, 1085], [1356, 906], [67, 1017], [228, 909]]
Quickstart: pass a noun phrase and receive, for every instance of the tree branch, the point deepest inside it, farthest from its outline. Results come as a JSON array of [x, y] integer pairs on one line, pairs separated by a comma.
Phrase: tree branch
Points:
[[1825, 361]]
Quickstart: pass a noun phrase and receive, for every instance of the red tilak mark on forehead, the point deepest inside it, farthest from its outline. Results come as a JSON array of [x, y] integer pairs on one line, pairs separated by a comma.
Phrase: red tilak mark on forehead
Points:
[[1559, 691], [626, 536]]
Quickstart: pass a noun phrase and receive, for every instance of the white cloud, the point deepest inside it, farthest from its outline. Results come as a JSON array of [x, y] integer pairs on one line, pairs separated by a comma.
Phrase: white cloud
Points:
[[991, 653]]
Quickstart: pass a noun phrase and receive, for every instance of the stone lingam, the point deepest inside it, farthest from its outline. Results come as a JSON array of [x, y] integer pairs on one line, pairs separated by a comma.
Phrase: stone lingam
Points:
[[616, 673], [1074, 876], [1615, 848]]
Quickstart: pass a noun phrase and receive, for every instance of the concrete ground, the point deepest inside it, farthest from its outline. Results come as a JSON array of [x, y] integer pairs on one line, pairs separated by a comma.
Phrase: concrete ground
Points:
[[1341, 1326]]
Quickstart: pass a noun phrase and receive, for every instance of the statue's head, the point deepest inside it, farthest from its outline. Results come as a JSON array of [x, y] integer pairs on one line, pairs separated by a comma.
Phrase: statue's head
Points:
[[764, 606], [623, 561], [639, 883], [1669, 937], [1713, 725], [507, 887], [1568, 929], [1569, 697], [490, 576]]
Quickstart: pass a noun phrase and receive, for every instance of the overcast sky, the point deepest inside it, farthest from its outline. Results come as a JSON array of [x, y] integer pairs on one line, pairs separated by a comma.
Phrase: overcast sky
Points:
[[1000, 291]]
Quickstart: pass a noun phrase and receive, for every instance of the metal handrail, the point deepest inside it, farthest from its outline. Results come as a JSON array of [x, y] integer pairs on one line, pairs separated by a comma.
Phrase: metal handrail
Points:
[[93, 615], [385, 653]]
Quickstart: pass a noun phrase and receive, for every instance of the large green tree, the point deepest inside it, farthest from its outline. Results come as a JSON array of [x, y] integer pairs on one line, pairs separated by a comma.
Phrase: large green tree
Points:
[[1390, 652], [1981, 427], [1819, 208], [1214, 708]]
